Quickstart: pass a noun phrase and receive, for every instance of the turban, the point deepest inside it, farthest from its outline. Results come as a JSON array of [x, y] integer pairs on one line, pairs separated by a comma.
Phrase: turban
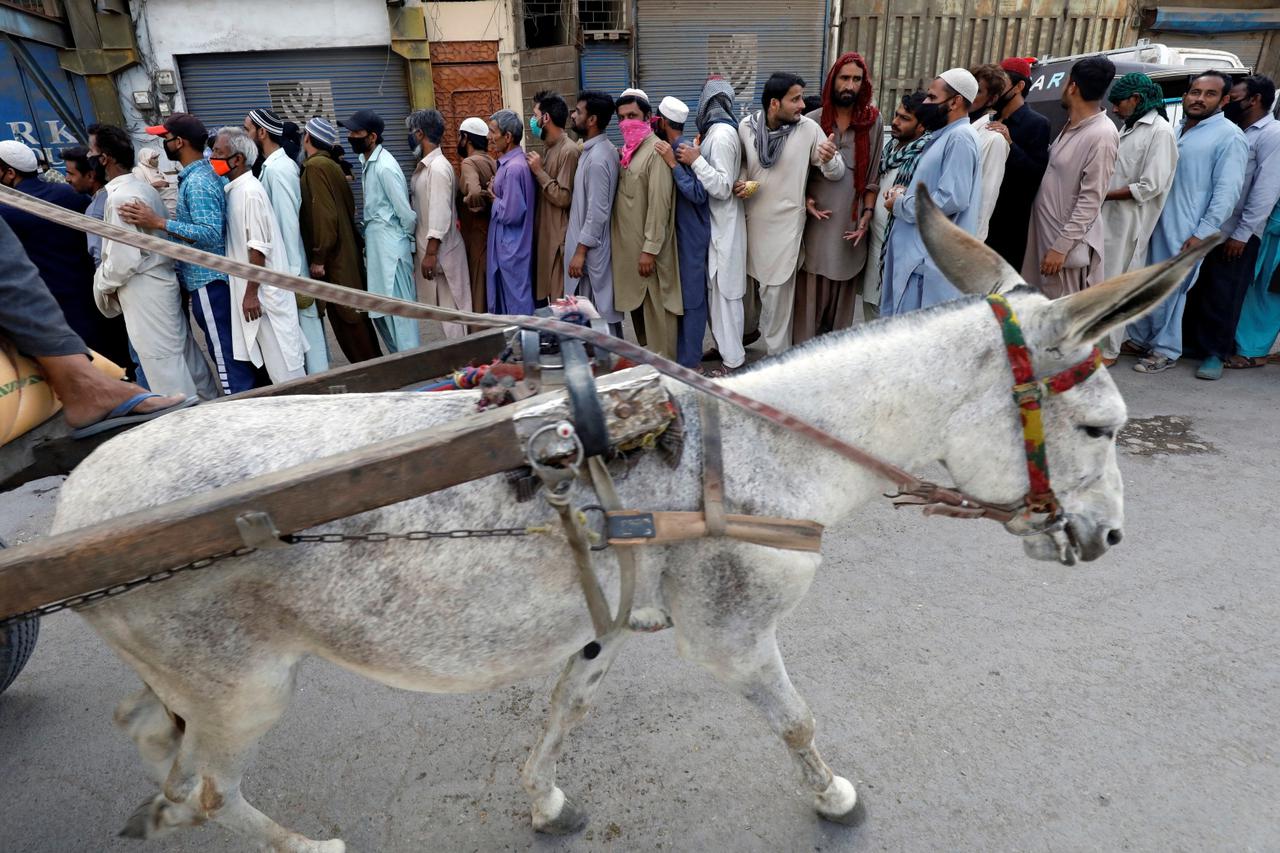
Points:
[[1150, 95]]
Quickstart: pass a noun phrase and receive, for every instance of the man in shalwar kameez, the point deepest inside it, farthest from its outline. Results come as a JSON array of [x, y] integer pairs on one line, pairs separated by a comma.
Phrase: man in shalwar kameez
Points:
[[693, 233], [441, 263], [264, 319], [388, 228], [1065, 243], [510, 250], [950, 170], [646, 280], [1145, 160], [1212, 157], [1260, 319], [716, 162], [281, 178], [553, 170], [780, 144], [835, 232], [588, 249]]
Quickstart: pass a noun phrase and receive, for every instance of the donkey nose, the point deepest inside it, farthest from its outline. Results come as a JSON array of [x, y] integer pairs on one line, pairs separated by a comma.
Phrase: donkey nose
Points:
[[1114, 537]]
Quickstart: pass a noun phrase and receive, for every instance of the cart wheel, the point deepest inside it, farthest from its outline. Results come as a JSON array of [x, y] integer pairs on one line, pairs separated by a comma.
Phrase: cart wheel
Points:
[[17, 642]]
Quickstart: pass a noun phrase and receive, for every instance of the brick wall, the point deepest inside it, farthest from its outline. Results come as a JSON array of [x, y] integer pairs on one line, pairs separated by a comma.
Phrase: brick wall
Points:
[[598, 15], [552, 68]]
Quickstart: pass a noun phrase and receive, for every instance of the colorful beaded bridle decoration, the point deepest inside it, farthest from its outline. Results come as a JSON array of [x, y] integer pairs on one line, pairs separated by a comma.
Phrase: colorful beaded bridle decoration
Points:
[[1027, 393]]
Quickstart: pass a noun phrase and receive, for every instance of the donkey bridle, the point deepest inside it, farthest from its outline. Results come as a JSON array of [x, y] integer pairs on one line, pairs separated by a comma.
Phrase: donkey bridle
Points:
[[1038, 512]]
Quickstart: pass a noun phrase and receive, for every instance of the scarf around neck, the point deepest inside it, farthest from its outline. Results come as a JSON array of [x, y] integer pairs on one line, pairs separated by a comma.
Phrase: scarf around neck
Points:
[[634, 132], [769, 142], [1137, 83]]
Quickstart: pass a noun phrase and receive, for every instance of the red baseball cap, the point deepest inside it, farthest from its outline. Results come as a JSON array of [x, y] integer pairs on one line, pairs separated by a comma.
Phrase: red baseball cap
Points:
[[1017, 65], [183, 125]]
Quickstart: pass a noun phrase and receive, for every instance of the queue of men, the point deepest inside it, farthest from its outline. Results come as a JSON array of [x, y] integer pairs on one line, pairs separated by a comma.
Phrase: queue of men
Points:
[[769, 225]]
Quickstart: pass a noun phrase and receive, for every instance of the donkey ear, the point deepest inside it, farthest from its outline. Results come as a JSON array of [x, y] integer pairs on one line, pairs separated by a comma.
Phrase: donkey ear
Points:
[[1082, 318], [966, 261]]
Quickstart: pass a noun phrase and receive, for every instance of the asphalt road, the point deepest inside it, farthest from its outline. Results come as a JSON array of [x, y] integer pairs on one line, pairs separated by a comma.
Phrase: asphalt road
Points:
[[979, 700]]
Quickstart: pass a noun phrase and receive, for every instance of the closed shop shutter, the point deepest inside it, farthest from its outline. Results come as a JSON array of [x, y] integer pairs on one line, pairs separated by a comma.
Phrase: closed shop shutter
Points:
[[222, 88], [683, 42], [1247, 46], [606, 67]]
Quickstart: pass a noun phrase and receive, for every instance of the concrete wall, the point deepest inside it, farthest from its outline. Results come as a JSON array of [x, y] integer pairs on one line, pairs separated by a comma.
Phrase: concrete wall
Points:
[[170, 28]]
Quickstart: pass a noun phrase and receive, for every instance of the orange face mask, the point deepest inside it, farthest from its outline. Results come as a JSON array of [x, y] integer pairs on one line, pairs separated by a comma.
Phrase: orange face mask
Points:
[[220, 167]]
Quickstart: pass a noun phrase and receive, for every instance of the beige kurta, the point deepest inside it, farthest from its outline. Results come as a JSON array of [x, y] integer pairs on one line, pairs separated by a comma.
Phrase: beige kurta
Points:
[[826, 252], [477, 173], [433, 194], [1146, 161], [551, 222], [644, 220], [775, 213], [1067, 214]]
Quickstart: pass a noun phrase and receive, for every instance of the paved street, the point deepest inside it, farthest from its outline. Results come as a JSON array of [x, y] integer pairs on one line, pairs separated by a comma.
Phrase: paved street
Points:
[[980, 701]]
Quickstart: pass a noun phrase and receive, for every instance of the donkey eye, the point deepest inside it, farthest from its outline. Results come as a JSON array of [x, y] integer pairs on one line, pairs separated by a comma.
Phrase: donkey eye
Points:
[[1099, 432]]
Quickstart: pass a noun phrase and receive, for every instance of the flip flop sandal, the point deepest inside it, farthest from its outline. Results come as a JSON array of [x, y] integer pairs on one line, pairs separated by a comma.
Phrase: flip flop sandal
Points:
[[1240, 362], [1154, 364], [121, 415]]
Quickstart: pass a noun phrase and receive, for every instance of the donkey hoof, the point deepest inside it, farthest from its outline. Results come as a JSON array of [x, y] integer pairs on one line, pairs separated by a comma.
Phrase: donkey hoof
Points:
[[841, 804], [571, 819], [648, 620]]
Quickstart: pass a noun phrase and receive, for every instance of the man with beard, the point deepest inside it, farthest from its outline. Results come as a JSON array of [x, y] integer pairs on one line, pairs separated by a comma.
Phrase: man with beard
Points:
[[389, 223], [715, 162], [443, 278], [279, 142], [587, 247], [554, 173], [1027, 133], [993, 148], [199, 221], [1212, 158], [1214, 304], [780, 144], [1145, 160], [1065, 243], [897, 168], [950, 171], [646, 278], [510, 249], [693, 232], [835, 245], [475, 174]]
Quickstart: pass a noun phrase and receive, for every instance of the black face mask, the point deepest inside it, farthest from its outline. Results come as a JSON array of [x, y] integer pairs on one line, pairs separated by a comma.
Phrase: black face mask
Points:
[[359, 144], [932, 116], [462, 149], [977, 114], [1234, 111], [413, 143], [171, 153]]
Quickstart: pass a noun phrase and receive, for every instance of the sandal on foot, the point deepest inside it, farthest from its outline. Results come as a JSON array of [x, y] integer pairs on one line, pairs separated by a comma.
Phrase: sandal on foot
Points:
[[121, 415], [1130, 348], [1240, 362], [1154, 364]]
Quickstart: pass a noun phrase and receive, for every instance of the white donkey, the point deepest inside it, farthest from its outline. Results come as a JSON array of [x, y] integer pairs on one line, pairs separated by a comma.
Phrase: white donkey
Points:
[[218, 650]]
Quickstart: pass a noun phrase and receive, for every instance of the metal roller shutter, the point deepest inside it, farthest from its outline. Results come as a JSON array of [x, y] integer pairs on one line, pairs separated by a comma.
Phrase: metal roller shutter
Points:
[[221, 89], [1247, 46], [606, 66], [682, 42]]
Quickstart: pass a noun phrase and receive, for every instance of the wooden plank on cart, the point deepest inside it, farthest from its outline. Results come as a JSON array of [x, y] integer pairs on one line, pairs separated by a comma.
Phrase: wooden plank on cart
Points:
[[635, 403], [50, 451]]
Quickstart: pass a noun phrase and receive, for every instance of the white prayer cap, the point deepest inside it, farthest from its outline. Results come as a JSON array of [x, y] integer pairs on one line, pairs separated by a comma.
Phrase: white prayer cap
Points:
[[639, 93], [18, 156], [478, 126], [673, 109], [962, 81]]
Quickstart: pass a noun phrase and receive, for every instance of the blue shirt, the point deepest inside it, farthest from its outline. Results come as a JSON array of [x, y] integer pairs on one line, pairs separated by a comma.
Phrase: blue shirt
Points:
[[693, 226], [200, 220], [1262, 181], [1212, 157]]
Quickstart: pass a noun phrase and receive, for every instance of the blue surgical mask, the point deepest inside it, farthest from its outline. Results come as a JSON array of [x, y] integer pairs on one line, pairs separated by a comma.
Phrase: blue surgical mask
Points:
[[535, 127]]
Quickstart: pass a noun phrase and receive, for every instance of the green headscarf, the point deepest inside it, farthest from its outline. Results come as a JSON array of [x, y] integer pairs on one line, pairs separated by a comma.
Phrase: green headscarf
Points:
[[1137, 83]]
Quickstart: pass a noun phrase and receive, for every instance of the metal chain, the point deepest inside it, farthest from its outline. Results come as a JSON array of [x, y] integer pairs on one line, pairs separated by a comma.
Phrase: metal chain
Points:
[[291, 539]]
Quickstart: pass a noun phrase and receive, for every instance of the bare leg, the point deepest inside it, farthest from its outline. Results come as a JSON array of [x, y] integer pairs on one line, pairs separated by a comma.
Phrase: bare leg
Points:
[[553, 813], [755, 670], [87, 395]]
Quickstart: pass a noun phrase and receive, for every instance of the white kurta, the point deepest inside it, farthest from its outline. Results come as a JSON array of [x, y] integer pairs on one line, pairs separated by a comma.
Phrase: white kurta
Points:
[[1145, 163], [993, 151], [717, 170], [274, 339], [434, 197], [280, 178], [775, 214]]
